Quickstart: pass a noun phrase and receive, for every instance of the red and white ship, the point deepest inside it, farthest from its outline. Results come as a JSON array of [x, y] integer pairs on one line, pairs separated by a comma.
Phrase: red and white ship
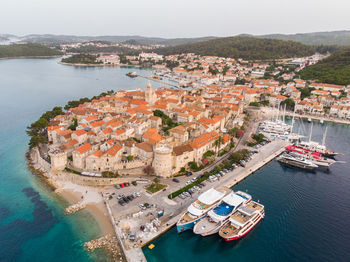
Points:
[[242, 221], [313, 156]]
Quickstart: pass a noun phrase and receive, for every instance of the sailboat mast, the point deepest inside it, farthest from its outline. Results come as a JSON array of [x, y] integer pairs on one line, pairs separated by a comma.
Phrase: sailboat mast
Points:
[[324, 137], [310, 132]]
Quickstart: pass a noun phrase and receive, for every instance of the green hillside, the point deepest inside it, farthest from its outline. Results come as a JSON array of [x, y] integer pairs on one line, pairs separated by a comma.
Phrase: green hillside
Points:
[[334, 69], [27, 50], [244, 47], [341, 38]]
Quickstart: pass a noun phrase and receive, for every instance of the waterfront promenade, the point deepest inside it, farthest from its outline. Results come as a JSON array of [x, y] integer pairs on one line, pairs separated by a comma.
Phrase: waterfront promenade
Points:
[[128, 221]]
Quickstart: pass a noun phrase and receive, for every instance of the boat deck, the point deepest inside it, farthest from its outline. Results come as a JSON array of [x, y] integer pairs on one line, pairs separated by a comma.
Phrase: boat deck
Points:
[[228, 230], [186, 218], [206, 226], [198, 204], [240, 217]]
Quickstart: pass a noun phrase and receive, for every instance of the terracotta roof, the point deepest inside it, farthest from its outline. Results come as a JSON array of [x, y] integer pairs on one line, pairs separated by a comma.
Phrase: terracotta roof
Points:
[[179, 150], [84, 148], [204, 139], [145, 146], [114, 150], [98, 153], [80, 132]]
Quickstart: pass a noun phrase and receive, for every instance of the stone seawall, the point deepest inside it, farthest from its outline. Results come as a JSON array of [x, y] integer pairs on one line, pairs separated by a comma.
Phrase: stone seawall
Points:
[[91, 181]]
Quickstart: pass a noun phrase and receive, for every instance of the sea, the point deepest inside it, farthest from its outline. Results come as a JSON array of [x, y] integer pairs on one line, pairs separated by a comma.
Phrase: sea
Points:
[[33, 226], [307, 213]]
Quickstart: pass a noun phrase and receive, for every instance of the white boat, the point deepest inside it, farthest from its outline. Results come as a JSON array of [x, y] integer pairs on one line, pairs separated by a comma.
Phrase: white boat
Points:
[[317, 147], [198, 209], [296, 161], [242, 221], [309, 119], [216, 217]]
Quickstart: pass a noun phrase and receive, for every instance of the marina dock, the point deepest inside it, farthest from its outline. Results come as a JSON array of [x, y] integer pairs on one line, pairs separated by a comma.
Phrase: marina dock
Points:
[[133, 249], [159, 81]]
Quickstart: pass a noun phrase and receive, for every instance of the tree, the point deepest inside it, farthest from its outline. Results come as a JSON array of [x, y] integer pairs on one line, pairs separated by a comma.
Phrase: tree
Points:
[[156, 180], [217, 143], [149, 170], [254, 104], [289, 102], [130, 158], [233, 131]]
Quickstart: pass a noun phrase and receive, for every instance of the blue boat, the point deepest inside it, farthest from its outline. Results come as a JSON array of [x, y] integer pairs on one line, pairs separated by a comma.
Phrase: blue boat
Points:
[[199, 209]]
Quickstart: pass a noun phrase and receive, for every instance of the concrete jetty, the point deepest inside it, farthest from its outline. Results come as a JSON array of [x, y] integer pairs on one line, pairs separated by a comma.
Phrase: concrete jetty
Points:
[[129, 224]]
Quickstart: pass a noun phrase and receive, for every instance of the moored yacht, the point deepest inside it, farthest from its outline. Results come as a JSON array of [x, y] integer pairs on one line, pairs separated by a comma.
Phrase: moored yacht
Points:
[[216, 217], [296, 161], [198, 209], [313, 156], [242, 221]]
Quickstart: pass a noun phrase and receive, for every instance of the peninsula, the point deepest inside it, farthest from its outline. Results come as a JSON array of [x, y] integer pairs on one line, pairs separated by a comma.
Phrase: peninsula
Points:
[[27, 50], [131, 151]]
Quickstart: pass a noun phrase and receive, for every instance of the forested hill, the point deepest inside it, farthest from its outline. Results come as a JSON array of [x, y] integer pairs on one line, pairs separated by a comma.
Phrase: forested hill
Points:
[[27, 50], [245, 47], [334, 69]]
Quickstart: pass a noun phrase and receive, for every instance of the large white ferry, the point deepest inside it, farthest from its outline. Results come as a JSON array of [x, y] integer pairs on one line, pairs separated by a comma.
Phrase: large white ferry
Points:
[[198, 209], [216, 217], [242, 221]]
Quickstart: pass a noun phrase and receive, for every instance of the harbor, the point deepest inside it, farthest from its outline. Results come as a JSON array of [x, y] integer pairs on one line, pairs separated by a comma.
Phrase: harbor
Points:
[[128, 224], [286, 193]]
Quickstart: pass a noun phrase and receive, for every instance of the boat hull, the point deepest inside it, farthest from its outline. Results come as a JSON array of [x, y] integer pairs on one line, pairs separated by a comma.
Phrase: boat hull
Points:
[[242, 235], [183, 227]]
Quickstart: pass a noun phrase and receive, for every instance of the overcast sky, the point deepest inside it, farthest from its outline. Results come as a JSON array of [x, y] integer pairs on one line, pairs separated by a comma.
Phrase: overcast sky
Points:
[[176, 18]]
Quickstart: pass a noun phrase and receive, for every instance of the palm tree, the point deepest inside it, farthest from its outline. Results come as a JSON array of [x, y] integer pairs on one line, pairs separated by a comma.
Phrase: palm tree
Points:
[[218, 142]]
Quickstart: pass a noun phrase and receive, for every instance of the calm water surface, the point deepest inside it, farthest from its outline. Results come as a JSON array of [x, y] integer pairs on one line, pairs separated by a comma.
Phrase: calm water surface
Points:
[[32, 224], [307, 215]]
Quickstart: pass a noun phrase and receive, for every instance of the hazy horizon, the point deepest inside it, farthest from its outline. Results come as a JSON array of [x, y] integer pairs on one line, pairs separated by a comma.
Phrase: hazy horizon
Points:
[[180, 19]]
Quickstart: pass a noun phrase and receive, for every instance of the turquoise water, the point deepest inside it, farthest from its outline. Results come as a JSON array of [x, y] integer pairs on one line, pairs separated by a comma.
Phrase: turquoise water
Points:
[[307, 215], [32, 224]]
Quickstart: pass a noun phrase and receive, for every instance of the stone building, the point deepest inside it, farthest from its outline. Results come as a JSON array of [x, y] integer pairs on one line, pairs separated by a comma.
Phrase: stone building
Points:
[[162, 161]]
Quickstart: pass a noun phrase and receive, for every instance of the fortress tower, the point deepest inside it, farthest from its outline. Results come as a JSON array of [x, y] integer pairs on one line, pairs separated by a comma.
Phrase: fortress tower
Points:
[[58, 159], [150, 95], [162, 162]]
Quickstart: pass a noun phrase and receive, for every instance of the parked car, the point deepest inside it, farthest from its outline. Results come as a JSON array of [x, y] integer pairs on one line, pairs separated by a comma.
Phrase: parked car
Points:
[[121, 185], [196, 188], [134, 183], [117, 186], [121, 202], [187, 194], [176, 180], [188, 182], [126, 184], [242, 163], [125, 199], [181, 196], [189, 174]]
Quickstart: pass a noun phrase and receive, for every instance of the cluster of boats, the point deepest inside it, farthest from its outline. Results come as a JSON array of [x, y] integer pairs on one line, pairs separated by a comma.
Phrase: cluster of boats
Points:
[[231, 214], [308, 154]]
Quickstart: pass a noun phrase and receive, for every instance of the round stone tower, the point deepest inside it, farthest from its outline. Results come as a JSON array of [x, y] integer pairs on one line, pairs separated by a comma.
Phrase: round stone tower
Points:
[[162, 162], [58, 159]]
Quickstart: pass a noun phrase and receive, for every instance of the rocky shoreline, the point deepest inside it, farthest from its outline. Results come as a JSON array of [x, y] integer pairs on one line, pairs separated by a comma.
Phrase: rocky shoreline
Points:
[[81, 197]]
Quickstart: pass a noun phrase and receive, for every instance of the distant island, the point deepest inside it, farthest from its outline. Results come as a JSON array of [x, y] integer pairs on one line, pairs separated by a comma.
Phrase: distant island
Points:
[[27, 50], [340, 38]]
